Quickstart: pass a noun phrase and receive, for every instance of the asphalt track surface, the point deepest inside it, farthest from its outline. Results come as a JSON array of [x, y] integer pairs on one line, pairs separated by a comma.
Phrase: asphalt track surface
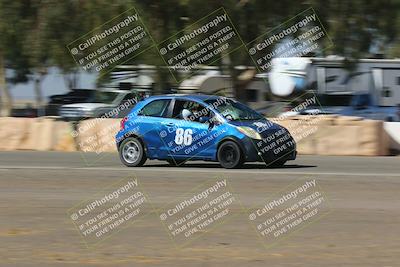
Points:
[[360, 226]]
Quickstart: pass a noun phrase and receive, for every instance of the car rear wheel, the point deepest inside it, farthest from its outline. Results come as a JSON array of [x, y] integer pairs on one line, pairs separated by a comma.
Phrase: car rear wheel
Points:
[[230, 155], [131, 152]]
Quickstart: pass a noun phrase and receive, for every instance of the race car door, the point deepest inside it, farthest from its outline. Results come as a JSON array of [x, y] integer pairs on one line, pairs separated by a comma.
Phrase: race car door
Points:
[[148, 123], [189, 137]]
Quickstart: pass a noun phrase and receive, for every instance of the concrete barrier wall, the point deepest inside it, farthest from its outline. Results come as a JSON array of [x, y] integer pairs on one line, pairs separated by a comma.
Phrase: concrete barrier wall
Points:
[[97, 135], [393, 133], [13, 132], [320, 135], [40, 134], [333, 135]]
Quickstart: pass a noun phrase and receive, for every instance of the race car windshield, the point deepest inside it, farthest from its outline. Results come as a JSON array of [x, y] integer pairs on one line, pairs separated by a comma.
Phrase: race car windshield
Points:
[[234, 111]]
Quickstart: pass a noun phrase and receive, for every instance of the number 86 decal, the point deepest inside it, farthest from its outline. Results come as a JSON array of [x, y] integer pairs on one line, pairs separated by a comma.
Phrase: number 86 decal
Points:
[[183, 137]]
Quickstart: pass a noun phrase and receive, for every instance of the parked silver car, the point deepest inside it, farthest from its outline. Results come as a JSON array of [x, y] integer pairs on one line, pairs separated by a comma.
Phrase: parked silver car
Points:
[[106, 103]]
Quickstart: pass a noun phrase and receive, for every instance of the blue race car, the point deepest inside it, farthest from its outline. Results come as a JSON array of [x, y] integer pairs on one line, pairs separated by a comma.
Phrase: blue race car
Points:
[[177, 128]]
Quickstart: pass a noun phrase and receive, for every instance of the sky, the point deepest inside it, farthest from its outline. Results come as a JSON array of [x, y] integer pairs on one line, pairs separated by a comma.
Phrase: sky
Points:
[[53, 84]]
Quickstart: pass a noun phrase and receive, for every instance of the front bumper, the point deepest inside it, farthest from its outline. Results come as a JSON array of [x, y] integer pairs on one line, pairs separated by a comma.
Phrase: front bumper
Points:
[[269, 150], [74, 114]]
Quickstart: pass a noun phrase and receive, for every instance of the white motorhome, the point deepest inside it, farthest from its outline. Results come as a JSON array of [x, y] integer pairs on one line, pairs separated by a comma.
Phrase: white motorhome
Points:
[[371, 89], [327, 76]]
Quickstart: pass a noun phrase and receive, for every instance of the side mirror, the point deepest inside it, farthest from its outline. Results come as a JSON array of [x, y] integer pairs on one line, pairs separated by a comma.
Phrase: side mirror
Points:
[[213, 122], [204, 119]]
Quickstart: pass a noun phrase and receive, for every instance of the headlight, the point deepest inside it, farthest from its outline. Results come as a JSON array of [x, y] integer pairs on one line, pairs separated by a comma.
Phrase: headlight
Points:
[[249, 132]]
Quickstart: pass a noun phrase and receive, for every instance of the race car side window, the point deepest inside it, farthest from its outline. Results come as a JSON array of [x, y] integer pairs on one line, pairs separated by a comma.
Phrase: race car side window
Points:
[[197, 110], [156, 108]]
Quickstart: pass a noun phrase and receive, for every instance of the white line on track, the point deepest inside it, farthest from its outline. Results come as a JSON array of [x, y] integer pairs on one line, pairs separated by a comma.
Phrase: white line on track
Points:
[[191, 170]]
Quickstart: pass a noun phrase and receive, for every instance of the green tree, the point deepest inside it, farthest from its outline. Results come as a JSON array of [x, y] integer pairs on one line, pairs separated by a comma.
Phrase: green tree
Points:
[[13, 25]]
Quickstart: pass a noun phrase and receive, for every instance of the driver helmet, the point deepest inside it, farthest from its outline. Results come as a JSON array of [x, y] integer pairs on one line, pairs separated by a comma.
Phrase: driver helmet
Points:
[[186, 114]]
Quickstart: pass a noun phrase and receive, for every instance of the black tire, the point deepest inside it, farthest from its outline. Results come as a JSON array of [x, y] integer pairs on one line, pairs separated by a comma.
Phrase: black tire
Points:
[[131, 152], [176, 162], [229, 155]]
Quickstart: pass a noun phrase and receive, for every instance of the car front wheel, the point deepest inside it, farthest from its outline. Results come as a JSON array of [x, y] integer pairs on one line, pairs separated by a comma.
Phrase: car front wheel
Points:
[[230, 155], [131, 152]]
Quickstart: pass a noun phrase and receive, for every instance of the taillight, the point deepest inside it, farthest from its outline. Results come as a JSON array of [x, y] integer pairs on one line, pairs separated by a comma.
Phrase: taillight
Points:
[[122, 123]]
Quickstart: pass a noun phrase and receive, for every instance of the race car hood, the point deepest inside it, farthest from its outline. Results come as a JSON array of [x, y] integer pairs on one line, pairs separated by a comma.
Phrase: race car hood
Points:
[[258, 124]]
